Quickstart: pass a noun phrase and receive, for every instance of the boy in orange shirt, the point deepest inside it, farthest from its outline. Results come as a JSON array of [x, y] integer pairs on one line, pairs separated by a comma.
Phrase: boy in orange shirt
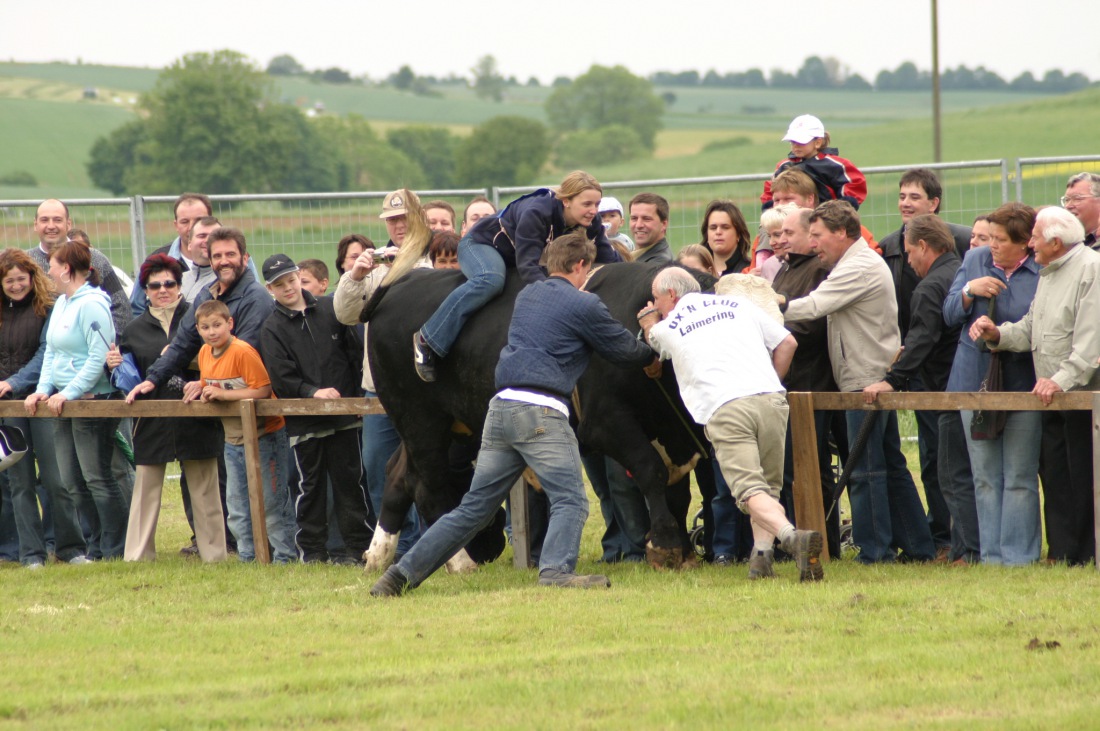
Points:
[[231, 370]]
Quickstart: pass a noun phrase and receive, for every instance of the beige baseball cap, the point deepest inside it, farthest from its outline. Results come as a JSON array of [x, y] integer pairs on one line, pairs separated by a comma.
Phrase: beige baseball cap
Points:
[[397, 202]]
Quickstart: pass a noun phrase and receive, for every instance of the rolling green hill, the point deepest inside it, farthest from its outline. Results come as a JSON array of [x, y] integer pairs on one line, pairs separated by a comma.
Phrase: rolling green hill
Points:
[[51, 140], [49, 129]]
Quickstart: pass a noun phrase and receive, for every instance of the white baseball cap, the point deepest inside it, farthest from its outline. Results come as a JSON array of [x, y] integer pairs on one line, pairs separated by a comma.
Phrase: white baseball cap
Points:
[[607, 203], [803, 129]]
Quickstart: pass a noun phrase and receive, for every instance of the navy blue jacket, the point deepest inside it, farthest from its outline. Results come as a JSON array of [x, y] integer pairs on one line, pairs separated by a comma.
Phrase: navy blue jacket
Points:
[[529, 224], [555, 327], [249, 304]]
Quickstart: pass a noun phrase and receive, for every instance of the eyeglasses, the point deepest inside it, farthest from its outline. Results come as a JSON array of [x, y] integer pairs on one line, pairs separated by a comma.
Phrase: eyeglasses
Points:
[[1067, 199], [156, 286]]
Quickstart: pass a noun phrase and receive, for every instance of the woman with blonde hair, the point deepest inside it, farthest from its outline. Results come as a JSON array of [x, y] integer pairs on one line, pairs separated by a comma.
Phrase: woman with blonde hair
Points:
[[697, 257], [26, 299], [513, 238]]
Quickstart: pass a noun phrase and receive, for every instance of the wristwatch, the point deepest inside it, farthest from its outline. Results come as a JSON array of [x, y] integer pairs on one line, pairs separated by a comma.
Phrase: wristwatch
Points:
[[967, 292]]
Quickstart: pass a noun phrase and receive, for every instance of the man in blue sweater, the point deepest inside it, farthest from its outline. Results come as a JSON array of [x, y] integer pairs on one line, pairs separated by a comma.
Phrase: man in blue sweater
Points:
[[555, 327]]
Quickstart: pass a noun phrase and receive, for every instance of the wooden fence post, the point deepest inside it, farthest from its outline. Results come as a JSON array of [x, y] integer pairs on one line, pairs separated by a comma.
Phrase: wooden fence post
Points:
[[521, 537], [255, 480], [1096, 473], [809, 511]]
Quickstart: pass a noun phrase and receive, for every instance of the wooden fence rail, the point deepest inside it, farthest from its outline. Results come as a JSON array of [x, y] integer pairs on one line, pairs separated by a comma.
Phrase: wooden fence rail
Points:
[[809, 507], [247, 410], [809, 510]]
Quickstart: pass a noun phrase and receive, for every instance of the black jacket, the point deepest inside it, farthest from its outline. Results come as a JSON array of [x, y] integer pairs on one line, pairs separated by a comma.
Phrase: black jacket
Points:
[[905, 279], [159, 440], [307, 351], [811, 369], [930, 344], [249, 304], [522, 230]]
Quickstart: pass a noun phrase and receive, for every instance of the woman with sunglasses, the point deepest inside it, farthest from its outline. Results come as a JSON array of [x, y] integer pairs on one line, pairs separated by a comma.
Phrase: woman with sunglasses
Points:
[[195, 443]]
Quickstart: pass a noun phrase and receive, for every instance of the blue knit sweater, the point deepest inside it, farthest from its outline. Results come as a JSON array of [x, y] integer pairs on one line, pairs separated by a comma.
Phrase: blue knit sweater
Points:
[[555, 327]]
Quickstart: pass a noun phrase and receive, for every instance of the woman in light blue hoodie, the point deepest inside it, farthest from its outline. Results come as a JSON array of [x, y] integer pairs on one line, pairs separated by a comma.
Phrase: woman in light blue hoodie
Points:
[[76, 351]]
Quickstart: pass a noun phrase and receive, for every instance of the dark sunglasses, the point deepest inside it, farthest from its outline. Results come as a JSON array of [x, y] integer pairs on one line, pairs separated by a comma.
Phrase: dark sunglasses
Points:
[[155, 286]]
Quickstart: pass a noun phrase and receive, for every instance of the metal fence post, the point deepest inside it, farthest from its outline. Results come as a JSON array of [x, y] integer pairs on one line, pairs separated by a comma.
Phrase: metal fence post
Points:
[[137, 231], [1019, 180], [1004, 181]]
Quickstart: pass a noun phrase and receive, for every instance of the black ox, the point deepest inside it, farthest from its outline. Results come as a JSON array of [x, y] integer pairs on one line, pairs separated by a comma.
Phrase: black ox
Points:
[[638, 422]]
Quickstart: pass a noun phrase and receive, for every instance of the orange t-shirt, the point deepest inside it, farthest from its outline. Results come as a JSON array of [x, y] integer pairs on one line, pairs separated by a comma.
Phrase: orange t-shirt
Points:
[[239, 366]]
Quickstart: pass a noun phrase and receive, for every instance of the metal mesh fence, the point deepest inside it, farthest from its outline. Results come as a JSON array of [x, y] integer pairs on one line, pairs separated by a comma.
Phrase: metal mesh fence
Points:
[[310, 225], [1041, 181], [107, 222], [970, 188]]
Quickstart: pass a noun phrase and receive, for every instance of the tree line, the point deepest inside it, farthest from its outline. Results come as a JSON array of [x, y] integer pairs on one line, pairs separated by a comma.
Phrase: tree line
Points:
[[213, 122], [815, 73], [829, 73]]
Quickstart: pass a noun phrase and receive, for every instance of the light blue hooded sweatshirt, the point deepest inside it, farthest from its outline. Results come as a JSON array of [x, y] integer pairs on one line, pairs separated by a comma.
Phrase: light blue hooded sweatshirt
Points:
[[75, 352]]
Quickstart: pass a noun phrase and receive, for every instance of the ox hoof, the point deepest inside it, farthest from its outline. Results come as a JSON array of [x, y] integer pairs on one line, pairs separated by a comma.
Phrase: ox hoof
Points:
[[664, 558], [461, 563], [690, 563], [383, 547]]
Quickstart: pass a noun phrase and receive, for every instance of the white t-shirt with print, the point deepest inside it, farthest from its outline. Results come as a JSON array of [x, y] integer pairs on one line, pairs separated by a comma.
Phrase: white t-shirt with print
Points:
[[721, 347]]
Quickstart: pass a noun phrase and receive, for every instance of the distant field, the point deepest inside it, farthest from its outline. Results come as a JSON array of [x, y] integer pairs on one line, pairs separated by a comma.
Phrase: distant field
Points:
[[870, 128], [51, 139]]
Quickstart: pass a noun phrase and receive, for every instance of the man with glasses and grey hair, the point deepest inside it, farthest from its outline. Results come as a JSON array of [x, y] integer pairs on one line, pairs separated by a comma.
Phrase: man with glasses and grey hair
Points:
[[1082, 199]]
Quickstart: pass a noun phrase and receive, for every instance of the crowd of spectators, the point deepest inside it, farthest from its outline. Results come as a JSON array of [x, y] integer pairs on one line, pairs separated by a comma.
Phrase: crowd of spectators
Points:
[[1011, 303]]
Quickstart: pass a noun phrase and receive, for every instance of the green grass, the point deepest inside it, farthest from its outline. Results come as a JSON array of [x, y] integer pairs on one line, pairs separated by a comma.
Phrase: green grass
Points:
[[52, 139], [178, 644]]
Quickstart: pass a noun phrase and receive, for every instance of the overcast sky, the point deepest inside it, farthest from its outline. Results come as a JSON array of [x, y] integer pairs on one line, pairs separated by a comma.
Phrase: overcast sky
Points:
[[563, 37]]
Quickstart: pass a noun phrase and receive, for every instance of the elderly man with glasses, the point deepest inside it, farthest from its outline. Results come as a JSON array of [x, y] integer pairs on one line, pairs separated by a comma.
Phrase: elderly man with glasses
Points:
[[1082, 199]]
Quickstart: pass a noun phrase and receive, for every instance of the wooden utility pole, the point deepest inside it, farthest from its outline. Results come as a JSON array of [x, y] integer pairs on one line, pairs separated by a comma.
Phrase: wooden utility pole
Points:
[[937, 153]]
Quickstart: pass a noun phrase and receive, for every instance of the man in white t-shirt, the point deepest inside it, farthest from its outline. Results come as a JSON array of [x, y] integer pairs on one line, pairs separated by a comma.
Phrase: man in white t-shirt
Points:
[[730, 357]]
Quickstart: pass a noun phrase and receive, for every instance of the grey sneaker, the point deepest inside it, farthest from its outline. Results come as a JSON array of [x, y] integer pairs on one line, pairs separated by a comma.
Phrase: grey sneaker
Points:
[[423, 358], [574, 581], [760, 565], [805, 548], [392, 583], [80, 560]]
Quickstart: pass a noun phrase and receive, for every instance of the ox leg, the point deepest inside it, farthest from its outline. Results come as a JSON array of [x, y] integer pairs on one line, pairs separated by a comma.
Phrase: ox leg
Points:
[[632, 450]]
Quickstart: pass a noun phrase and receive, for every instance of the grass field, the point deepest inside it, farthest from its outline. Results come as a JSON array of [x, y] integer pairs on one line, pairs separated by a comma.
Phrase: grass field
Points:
[[177, 644]]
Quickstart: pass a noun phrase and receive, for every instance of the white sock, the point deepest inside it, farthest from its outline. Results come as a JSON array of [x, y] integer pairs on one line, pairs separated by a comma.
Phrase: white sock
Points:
[[763, 547], [785, 533]]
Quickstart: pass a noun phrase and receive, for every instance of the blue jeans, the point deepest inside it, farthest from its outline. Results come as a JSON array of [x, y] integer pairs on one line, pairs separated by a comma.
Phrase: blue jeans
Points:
[[1006, 489], [69, 540], [887, 513], [279, 515], [380, 441], [85, 449], [484, 270], [625, 515], [732, 530], [957, 485], [516, 434]]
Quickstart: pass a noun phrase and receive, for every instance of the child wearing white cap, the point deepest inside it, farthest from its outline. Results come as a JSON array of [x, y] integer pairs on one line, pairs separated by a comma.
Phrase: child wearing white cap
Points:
[[835, 177], [611, 213]]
